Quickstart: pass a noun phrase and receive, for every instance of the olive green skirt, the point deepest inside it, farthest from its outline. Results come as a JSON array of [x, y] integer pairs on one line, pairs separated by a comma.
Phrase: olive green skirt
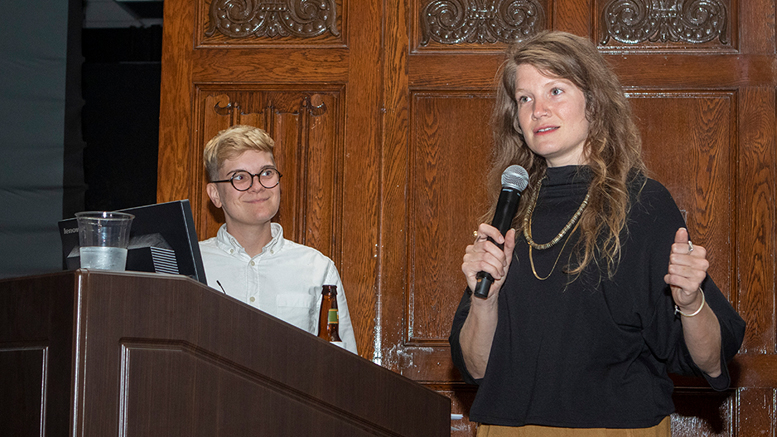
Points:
[[663, 429]]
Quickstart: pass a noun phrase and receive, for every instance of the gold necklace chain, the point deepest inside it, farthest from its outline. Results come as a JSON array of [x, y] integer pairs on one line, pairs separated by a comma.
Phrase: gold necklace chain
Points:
[[531, 259], [564, 230]]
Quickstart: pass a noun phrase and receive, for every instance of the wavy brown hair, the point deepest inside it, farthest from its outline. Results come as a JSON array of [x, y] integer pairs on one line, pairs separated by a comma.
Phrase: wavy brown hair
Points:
[[613, 148]]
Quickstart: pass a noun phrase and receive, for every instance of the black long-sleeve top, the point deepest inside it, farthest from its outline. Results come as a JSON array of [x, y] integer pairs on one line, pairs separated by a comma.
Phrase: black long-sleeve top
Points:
[[596, 352]]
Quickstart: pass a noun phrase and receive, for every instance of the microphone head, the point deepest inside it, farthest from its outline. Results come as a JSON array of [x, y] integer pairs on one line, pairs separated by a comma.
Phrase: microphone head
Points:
[[515, 177]]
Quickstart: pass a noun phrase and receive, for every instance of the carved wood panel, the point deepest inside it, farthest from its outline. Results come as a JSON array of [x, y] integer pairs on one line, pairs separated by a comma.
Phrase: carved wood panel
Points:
[[756, 220], [689, 147], [270, 22], [448, 159], [477, 24], [407, 88], [667, 24], [313, 88]]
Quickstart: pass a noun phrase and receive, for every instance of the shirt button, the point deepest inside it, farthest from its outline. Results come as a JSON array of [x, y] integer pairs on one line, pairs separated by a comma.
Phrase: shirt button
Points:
[[253, 263], [272, 251], [231, 250], [251, 299]]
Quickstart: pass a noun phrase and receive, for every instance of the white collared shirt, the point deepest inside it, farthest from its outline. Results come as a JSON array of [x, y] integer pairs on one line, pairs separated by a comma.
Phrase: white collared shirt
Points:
[[284, 280]]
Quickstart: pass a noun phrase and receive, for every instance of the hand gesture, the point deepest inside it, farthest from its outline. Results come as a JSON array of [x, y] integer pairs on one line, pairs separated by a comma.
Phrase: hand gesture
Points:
[[687, 269], [483, 255]]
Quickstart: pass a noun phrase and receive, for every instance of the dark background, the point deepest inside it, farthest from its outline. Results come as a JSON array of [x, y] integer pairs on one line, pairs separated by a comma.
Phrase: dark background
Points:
[[120, 88], [79, 117]]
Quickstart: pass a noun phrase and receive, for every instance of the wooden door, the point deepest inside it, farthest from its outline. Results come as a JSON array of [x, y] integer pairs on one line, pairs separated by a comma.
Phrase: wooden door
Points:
[[309, 74], [380, 111]]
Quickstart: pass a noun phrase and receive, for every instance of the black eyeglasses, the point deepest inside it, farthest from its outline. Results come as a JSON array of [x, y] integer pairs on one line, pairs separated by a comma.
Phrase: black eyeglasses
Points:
[[242, 180]]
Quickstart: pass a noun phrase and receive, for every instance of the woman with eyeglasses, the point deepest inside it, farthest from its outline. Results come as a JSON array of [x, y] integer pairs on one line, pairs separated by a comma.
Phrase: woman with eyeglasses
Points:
[[250, 259]]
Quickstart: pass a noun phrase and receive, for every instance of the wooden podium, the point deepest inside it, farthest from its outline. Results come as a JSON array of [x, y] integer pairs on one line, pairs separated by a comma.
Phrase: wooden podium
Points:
[[90, 353]]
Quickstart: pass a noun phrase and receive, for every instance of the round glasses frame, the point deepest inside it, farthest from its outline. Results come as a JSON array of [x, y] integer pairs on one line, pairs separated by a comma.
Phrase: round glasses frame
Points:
[[274, 174]]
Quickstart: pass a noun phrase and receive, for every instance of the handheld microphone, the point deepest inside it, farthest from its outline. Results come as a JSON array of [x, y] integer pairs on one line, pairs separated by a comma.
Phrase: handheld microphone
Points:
[[514, 181]]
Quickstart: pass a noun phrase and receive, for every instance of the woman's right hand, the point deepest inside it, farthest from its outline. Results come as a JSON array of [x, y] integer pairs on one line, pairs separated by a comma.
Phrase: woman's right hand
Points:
[[483, 255]]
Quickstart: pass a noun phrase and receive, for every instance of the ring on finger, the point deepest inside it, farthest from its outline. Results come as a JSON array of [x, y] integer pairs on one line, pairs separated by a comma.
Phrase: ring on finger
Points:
[[690, 246]]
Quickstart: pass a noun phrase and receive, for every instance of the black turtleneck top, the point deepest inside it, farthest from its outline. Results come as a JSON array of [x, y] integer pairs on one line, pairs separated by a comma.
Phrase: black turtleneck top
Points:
[[596, 352]]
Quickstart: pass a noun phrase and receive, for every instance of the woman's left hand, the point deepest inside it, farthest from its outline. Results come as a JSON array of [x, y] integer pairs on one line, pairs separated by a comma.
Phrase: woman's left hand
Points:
[[687, 269]]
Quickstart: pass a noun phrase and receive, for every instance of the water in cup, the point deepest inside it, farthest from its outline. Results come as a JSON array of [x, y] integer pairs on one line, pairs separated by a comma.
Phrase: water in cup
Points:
[[103, 238], [103, 258]]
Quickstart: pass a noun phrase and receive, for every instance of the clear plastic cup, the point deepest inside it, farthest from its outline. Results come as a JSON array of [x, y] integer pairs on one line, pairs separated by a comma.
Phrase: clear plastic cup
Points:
[[103, 237]]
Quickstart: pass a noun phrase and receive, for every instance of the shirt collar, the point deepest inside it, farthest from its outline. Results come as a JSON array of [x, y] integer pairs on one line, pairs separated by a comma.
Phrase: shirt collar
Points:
[[226, 242]]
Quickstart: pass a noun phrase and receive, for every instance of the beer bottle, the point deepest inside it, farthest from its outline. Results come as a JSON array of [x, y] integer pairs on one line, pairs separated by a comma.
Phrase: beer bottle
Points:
[[328, 318]]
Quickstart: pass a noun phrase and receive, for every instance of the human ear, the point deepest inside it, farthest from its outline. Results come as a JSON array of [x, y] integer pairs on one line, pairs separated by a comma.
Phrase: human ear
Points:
[[213, 193]]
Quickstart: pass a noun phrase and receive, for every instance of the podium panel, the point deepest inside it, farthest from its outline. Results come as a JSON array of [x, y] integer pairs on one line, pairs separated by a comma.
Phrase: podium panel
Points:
[[133, 354]]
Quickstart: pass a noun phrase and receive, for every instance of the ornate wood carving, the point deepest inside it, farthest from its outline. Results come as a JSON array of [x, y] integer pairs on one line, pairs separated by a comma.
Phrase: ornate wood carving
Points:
[[273, 18], [480, 21], [690, 21]]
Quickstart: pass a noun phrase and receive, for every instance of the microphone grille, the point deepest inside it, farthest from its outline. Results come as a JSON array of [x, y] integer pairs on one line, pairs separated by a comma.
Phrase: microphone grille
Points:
[[515, 177]]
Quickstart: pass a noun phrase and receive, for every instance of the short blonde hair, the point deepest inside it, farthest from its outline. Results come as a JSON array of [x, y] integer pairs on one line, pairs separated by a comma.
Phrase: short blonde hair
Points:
[[232, 142]]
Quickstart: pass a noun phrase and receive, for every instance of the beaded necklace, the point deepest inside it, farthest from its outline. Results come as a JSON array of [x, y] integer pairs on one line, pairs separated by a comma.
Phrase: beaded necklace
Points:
[[527, 230]]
